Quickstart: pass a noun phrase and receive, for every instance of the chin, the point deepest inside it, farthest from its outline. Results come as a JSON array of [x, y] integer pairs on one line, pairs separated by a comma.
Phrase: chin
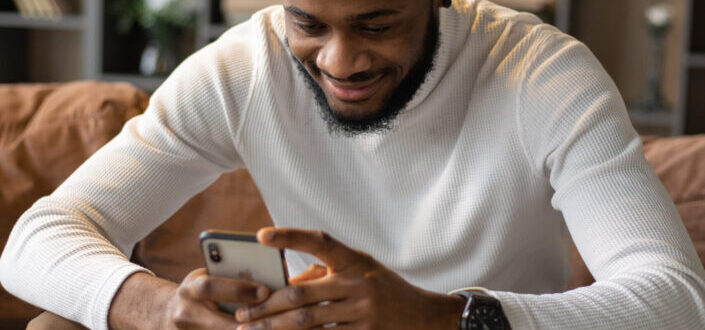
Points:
[[354, 111]]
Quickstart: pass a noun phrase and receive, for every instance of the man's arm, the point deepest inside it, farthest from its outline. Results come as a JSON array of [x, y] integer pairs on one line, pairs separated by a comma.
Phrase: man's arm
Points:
[[577, 135], [69, 253]]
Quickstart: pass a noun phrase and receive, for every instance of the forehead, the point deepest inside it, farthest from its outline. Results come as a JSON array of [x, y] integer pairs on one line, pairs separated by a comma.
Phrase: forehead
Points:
[[346, 9]]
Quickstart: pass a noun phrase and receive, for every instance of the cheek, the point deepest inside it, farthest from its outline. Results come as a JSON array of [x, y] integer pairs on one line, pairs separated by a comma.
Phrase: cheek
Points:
[[301, 51], [403, 52], [302, 48]]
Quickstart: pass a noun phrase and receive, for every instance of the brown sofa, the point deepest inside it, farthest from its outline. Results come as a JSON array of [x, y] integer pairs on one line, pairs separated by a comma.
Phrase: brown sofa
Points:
[[47, 130]]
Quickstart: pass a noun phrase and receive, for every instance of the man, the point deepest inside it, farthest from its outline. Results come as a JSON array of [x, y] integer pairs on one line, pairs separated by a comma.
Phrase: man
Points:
[[430, 148]]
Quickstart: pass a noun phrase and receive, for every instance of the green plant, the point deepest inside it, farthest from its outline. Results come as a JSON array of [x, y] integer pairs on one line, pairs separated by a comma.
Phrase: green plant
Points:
[[163, 21], [154, 15]]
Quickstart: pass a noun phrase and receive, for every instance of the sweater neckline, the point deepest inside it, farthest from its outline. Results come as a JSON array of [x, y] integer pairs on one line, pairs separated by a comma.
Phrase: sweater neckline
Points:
[[448, 47]]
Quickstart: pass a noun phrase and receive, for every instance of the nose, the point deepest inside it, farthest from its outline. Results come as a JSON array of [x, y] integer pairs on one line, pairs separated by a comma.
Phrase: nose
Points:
[[341, 57]]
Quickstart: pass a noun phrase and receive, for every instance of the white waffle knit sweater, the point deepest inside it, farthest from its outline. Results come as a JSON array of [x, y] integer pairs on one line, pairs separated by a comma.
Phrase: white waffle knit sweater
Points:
[[517, 140]]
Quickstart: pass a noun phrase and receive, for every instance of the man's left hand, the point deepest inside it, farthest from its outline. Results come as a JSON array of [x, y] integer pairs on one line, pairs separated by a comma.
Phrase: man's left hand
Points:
[[354, 292]]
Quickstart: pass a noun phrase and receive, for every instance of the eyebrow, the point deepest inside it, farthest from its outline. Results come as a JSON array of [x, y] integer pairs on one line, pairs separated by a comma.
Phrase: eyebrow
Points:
[[359, 17], [298, 12], [373, 14]]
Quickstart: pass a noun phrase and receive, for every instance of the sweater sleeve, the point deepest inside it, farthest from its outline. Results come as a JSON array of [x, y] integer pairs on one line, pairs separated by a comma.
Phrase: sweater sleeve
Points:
[[69, 253], [576, 132]]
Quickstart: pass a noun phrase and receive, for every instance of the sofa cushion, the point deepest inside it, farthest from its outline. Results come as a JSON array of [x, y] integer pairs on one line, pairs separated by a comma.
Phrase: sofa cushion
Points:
[[680, 164], [232, 203], [46, 131]]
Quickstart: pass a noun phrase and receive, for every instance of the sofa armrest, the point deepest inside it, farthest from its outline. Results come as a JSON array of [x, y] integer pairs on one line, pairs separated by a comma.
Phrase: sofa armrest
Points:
[[47, 321]]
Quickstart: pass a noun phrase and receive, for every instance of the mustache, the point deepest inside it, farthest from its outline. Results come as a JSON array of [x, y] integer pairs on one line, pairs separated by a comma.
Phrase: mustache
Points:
[[355, 77]]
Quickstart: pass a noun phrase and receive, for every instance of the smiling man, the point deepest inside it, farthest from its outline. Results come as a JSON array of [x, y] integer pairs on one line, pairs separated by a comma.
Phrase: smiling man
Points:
[[435, 159], [357, 91]]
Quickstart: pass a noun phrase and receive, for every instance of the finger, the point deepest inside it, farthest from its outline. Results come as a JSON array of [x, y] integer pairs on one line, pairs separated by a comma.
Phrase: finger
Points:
[[198, 316], [295, 296], [321, 245], [201, 286], [343, 326], [308, 317], [313, 272]]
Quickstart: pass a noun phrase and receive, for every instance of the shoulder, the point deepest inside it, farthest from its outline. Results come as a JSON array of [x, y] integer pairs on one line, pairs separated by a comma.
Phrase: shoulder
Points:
[[253, 42], [508, 36]]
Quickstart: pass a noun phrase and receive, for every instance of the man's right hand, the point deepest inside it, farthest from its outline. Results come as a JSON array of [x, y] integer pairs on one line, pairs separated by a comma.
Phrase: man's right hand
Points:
[[147, 302]]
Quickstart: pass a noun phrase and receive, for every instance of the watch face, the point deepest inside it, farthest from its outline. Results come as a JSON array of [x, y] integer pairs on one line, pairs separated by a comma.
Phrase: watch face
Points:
[[486, 318]]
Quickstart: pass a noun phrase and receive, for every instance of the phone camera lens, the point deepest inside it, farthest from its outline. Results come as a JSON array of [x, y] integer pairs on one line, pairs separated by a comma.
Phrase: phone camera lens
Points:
[[213, 252]]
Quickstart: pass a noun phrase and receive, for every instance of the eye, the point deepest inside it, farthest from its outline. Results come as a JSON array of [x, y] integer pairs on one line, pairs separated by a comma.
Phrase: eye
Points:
[[375, 29], [310, 28]]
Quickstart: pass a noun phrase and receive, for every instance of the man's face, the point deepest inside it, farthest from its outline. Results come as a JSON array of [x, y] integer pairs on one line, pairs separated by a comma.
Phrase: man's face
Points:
[[363, 59]]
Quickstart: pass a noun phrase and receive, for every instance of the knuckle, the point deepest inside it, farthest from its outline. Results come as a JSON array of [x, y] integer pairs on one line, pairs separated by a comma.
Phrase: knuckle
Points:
[[180, 316], [183, 291], [366, 307], [202, 286], [304, 317], [286, 235], [324, 237], [326, 240], [256, 311], [296, 295], [243, 291]]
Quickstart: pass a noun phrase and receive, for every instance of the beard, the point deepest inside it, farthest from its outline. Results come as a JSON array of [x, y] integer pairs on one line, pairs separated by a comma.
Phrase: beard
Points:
[[381, 120]]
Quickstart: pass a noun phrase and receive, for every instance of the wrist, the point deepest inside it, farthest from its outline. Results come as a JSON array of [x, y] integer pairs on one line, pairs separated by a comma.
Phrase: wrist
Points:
[[139, 302], [446, 311]]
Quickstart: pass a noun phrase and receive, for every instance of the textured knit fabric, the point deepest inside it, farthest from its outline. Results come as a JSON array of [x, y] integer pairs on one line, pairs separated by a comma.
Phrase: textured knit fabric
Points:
[[517, 139]]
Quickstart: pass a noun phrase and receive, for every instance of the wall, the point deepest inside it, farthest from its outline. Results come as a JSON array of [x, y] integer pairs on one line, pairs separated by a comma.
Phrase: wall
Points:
[[54, 55], [615, 31]]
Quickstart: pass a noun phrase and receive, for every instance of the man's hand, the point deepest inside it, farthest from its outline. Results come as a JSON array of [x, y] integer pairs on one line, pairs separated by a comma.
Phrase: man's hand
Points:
[[192, 306], [147, 302], [356, 292]]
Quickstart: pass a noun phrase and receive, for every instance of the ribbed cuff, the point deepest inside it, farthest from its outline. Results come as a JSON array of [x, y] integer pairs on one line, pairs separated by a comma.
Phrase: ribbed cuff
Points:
[[104, 298], [476, 289], [513, 308]]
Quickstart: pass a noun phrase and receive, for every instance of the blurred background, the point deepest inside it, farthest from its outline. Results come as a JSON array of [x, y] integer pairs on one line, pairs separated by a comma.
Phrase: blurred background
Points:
[[653, 49]]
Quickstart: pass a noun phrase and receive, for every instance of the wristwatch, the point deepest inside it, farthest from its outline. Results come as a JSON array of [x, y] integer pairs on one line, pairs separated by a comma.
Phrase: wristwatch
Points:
[[482, 312]]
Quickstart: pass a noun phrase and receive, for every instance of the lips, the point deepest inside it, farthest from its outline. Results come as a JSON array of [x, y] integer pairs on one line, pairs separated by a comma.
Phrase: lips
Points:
[[354, 92]]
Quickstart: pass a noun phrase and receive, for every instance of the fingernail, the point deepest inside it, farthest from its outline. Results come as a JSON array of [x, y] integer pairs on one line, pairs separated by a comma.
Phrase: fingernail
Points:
[[242, 314], [262, 292], [256, 326], [269, 235]]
